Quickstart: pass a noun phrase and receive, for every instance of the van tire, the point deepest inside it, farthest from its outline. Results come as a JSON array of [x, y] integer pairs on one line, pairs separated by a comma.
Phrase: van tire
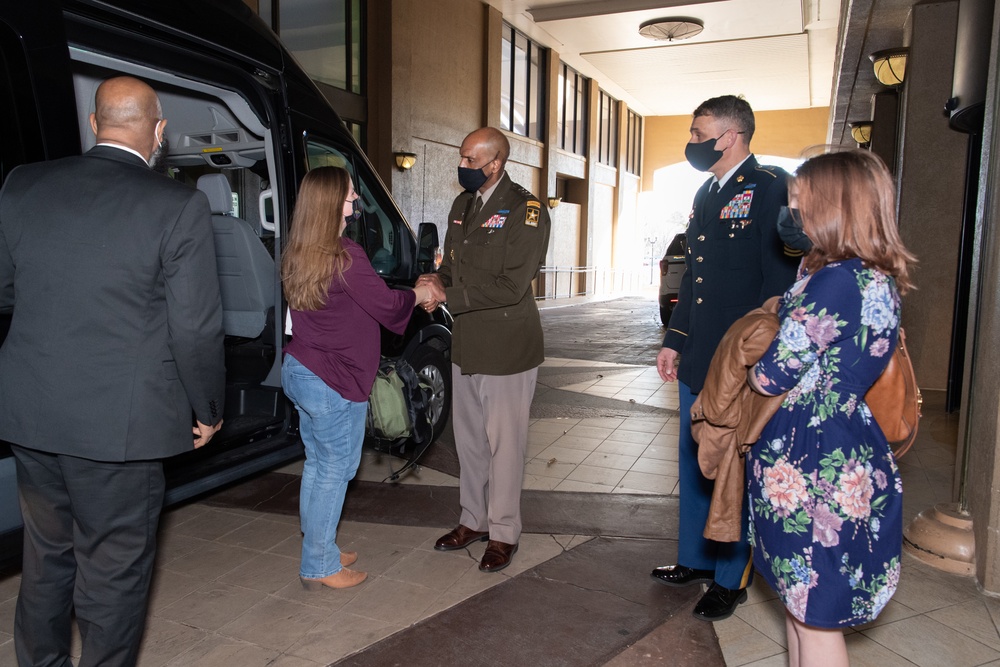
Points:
[[434, 369]]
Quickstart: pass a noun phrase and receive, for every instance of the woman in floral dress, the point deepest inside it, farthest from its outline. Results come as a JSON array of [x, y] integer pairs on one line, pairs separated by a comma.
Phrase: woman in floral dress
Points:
[[824, 493]]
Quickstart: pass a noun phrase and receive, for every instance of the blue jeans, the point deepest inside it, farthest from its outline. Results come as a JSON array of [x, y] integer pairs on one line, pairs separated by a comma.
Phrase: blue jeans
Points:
[[332, 430]]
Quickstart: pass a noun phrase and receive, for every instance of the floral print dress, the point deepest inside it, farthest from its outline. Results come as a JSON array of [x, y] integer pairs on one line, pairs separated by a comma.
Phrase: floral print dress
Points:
[[824, 492]]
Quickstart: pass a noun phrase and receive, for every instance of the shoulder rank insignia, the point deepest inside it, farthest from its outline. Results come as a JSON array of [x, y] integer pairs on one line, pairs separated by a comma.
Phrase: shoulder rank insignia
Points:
[[531, 216]]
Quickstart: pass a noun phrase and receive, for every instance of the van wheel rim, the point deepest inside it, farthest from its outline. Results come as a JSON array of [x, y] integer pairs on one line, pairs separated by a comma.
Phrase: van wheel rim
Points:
[[432, 376]]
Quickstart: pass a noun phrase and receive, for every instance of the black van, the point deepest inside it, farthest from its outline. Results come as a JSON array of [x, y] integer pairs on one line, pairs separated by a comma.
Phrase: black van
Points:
[[245, 123]]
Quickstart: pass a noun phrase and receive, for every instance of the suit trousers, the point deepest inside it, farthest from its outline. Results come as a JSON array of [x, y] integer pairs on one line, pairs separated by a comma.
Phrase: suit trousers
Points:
[[89, 545], [731, 561], [490, 418]]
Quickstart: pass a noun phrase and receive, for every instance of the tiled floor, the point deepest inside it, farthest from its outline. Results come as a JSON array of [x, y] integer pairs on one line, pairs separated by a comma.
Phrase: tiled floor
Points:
[[227, 593]]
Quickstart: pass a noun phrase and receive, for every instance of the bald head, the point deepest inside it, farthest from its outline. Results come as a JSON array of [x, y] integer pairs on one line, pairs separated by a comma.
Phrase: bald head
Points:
[[127, 112], [486, 149]]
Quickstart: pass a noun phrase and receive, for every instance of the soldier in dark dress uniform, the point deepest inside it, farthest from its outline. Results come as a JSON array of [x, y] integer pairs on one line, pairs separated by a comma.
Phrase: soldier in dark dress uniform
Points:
[[735, 261], [496, 241]]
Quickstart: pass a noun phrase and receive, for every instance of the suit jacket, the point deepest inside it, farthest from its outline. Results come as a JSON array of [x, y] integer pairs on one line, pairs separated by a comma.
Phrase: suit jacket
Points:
[[735, 260], [108, 271], [728, 416], [489, 262]]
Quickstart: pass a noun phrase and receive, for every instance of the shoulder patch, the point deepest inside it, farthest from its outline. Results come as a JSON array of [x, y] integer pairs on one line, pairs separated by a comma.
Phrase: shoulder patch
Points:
[[532, 214]]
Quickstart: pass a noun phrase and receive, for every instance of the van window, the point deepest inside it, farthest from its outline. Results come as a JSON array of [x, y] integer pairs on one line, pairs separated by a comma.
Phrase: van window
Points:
[[375, 230], [21, 139]]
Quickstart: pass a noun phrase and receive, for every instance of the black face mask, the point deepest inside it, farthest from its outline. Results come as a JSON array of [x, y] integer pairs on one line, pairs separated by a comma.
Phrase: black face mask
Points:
[[356, 215], [158, 161], [471, 179], [790, 229], [702, 156]]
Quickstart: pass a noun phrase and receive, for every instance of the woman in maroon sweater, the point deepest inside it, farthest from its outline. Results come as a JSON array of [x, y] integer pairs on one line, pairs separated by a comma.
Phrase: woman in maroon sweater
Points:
[[337, 303]]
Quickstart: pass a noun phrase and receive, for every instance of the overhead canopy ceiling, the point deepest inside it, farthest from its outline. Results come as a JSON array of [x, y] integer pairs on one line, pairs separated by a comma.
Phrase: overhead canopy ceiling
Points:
[[779, 54]]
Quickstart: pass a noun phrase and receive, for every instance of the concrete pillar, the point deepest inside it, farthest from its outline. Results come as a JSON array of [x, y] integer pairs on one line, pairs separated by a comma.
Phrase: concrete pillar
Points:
[[583, 191], [930, 175], [885, 127], [981, 432]]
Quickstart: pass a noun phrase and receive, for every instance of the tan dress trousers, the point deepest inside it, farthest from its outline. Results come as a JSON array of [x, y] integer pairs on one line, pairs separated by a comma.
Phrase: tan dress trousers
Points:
[[490, 418]]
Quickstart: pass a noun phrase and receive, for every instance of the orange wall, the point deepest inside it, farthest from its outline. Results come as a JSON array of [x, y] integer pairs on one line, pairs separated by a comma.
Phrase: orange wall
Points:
[[783, 133]]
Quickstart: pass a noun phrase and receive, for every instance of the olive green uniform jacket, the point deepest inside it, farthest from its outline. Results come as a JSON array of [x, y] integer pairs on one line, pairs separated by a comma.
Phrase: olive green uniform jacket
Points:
[[489, 262]]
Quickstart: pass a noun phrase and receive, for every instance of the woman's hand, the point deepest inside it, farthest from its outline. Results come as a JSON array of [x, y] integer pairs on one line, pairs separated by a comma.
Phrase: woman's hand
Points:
[[429, 291]]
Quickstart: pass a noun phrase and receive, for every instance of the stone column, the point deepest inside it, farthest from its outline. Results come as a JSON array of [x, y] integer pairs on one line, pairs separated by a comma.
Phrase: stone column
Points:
[[982, 431], [930, 173]]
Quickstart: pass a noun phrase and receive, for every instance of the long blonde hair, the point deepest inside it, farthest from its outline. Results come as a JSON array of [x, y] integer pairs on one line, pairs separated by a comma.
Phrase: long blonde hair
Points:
[[315, 254], [848, 208]]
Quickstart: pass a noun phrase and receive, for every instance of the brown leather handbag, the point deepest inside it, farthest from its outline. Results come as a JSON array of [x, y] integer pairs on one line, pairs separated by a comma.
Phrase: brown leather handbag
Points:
[[895, 400]]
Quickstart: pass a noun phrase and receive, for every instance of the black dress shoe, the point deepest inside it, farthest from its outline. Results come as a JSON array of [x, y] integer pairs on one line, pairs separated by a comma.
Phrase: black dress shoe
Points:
[[679, 575], [718, 603], [497, 556], [459, 538]]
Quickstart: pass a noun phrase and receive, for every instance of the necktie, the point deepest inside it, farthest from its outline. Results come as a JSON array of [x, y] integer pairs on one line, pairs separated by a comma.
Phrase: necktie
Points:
[[713, 189], [476, 209]]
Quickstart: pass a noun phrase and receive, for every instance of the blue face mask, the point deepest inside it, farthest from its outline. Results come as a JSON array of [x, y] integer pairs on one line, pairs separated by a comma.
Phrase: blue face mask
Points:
[[790, 229], [471, 179]]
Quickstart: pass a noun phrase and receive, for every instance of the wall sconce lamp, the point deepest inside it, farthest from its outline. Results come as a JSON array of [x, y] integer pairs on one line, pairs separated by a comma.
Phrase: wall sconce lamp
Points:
[[861, 132], [890, 66], [405, 161], [554, 201]]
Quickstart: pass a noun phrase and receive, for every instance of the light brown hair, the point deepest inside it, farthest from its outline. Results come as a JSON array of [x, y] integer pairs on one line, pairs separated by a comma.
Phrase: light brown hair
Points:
[[315, 254], [848, 207]]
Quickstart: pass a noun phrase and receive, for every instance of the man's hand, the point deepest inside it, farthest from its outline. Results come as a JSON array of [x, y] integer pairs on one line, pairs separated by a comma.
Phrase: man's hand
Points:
[[203, 433], [666, 364], [432, 283]]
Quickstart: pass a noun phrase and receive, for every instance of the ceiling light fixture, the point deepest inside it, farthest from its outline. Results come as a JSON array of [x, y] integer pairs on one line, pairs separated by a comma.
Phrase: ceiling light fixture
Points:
[[671, 29], [890, 66]]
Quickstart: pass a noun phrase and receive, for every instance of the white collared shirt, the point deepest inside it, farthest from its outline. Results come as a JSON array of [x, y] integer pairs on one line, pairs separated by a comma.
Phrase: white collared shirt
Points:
[[726, 176], [126, 149]]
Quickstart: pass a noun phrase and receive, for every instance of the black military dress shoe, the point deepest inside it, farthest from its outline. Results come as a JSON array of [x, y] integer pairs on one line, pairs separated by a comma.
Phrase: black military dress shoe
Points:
[[497, 556], [718, 603], [460, 537], [679, 575]]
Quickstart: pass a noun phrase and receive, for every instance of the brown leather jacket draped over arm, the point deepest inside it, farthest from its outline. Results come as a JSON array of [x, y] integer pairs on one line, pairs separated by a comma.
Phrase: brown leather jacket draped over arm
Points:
[[728, 416]]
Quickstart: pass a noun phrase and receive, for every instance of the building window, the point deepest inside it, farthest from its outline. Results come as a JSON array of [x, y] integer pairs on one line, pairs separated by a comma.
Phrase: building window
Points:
[[633, 143], [607, 128], [523, 85], [571, 123], [326, 37]]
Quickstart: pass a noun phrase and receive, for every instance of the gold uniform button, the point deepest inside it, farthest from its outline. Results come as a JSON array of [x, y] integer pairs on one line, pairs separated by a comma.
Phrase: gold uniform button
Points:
[[731, 235], [698, 300], [699, 279], [701, 237], [699, 259]]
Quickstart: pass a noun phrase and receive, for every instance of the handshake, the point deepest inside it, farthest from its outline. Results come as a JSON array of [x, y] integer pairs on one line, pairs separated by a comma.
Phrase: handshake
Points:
[[430, 291]]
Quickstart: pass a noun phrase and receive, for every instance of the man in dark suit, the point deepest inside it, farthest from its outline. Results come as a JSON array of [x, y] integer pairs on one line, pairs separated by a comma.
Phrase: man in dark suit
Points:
[[108, 271], [735, 261], [497, 236]]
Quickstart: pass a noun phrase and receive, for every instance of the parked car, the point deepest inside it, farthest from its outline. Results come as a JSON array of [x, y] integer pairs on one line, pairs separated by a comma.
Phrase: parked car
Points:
[[671, 271], [241, 110]]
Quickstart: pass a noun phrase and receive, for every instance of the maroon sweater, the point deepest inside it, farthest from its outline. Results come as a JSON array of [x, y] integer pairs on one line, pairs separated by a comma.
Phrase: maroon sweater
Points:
[[341, 342]]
